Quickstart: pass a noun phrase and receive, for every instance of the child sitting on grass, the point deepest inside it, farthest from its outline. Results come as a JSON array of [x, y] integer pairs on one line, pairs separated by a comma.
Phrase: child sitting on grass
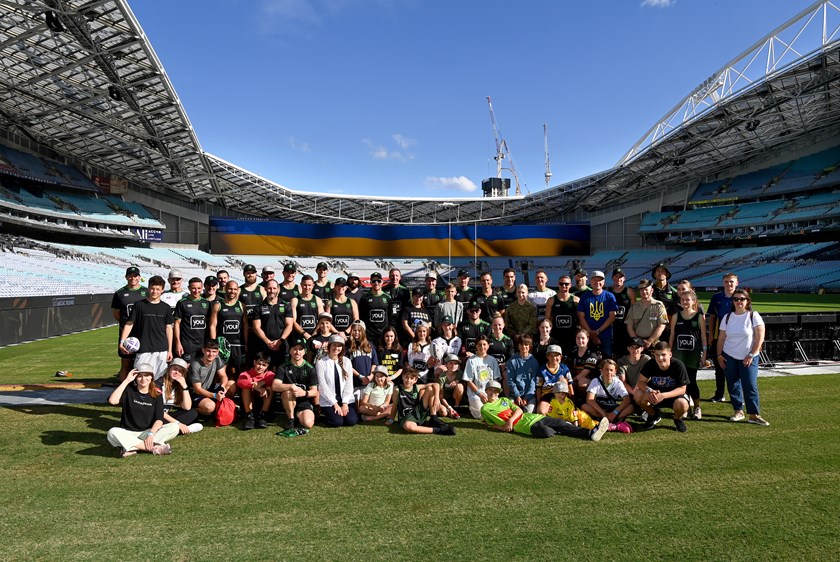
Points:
[[376, 398], [503, 415], [562, 407], [414, 403], [607, 398], [553, 372], [256, 382], [451, 387]]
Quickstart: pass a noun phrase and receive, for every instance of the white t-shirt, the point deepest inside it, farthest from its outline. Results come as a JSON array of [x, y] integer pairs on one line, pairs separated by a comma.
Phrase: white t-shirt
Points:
[[539, 298], [171, 298], [378, 394], [615, 388], [739, 333], [480, 371]]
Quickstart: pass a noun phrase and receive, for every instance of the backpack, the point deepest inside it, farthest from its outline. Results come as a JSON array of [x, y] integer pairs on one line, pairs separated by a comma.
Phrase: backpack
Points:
[[225, 412]]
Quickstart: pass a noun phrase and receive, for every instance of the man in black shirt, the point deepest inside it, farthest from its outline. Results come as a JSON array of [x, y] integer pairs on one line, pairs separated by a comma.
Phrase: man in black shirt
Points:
[[412, 315], [121, 304], [465, 293], [297, 384], [288, 289], [151, 321], [228, 318], [662, 384], [375, 309], [191, 322], [272, 322]]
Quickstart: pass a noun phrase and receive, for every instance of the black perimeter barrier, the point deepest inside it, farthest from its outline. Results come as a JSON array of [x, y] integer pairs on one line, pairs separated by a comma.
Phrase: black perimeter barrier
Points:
[[34, 318], [798, 337]]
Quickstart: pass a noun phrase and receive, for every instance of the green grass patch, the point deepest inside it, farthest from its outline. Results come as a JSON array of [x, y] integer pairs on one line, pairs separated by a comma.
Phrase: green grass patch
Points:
[[720, 491], [782, 302]]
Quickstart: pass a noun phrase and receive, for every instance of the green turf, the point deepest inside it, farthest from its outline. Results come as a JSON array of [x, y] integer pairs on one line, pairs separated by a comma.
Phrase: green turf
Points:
[[782, 302], [720, 491]]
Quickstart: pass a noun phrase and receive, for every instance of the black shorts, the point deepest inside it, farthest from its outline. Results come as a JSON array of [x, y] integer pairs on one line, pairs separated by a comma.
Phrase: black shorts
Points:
[[303, 405], [236, 361], [449, 393], [418, 415], [669, 402]]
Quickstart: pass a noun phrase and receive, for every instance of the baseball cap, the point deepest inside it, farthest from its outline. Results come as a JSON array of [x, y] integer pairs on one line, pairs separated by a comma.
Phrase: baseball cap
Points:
[[596, 274], [643, 284], [359, 323], [326, 315], [561, 386], [473, 306], [451, 357], [250, 268], [268, 269], [340, 281], [336, 338], [289, 267], [618, 271], [132, 271], [178, 362], [431, 276], [463, 273], [494, 384], [580, 271], [447, 320], [554, 349], [636, 342], [376, 276], [144, 368], [175, 274], [416, 292], [297, 341], [322, 265], [211, 280], [381, 369]]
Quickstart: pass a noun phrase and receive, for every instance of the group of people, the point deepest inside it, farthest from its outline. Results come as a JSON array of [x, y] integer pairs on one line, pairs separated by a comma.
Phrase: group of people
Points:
[[572, 361]]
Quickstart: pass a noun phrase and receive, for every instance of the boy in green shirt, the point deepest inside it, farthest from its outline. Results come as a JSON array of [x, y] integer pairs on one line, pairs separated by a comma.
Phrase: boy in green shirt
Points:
[[502, 414]]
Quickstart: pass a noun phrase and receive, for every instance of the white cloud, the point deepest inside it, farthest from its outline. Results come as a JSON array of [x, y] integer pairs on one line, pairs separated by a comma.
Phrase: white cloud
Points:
[[459, 183], [297, 145], [402, 141], [658, 3], [381, 152]]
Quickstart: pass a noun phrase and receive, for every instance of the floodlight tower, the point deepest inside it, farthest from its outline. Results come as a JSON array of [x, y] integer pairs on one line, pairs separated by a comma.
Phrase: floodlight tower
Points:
[[547, 161]]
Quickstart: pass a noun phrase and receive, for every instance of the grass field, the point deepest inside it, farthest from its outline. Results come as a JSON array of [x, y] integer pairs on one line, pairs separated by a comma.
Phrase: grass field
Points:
[[720, 491]]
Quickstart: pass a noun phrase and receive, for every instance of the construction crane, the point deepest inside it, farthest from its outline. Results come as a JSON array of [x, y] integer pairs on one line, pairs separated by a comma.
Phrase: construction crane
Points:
[[502, 151], [547, 161]]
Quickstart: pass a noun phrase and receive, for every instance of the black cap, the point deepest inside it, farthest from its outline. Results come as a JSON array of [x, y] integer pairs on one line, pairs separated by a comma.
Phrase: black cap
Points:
[[447, 320], [250, 268], [580, 271], [417, 292], [211, 280], [322, 265], [376, 276], [663, 266], [618, 271], [463, 273], [637, 341], [473, 306], [297, 341], [289, 267], [133, 270], [340, 281]]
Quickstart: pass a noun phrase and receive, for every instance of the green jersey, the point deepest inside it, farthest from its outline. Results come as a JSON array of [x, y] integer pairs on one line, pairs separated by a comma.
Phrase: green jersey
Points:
[[502, 409]]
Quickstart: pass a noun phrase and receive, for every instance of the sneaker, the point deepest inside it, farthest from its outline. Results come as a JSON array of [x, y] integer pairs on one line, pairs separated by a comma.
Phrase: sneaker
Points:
[[290, 424], [738, 416], [195, 427], [652, 421], [624, 427], [162, 449], [680, 425], [718, 399], [300, 431], [613, 427], [447, 430], [598, 432], [124, 453], [262, 423], [758, 420], [643, 416], [249, 421], [698, 413]]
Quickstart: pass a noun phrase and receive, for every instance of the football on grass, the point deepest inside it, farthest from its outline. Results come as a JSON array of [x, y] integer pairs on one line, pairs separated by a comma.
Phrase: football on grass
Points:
[[132, 345]]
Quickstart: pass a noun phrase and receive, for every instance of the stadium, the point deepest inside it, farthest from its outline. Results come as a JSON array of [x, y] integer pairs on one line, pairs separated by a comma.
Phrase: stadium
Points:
[[101, 170]]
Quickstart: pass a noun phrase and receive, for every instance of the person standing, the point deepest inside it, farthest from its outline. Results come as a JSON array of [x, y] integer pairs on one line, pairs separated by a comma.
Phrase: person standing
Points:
[[596, 314], [449, 307], [191, 321], [323, 287], [288, 289], [541, 293], [272, 323], [229, 320], [465, 292], [624, 298], [665, 293], [579, 282], [561, 311], [432, 296], [211, 288], [342, 309], [688, 343], [122, 303], [151, 321], [375, 308], [267, 275], [720, 306], [521, 315], [306, 308], [490, 302], [648, 317], [738, 349], [176, 291], [509, 287]]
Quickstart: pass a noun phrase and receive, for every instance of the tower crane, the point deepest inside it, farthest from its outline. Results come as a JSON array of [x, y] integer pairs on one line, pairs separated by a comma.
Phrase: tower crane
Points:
[[502, 151], [547, 161]]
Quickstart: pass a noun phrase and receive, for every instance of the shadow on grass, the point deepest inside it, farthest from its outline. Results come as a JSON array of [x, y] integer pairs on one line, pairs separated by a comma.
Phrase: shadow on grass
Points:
[[100, 448], [95, 419]]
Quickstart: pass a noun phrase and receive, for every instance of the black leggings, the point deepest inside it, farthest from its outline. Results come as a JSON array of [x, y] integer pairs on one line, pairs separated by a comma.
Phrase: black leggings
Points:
[[549, 427], [693, 390], [185, 417]]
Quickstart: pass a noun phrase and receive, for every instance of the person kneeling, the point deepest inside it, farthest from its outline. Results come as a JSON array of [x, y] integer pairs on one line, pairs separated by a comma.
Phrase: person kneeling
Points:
[[662, 384], [297, 383], [414, 403], [141, 423], [503, 415]]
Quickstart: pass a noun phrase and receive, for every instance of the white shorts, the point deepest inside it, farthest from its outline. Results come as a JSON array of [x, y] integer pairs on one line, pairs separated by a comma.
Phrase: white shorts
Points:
[[130, 440], [157, 359]]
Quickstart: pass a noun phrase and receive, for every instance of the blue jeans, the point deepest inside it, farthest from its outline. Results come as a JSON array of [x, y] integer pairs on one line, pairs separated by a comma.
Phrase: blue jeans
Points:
[[742, 382]]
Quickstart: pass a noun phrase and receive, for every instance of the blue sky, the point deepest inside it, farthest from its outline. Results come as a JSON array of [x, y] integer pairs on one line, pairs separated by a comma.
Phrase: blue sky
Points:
[[387, 97]]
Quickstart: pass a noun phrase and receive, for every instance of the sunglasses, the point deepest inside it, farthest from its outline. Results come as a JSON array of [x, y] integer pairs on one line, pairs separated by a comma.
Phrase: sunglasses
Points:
[[564, 284], [739, 299]]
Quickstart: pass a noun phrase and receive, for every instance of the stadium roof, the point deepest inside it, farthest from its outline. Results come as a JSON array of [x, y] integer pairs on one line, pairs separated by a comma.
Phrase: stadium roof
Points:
[[82, 78]]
